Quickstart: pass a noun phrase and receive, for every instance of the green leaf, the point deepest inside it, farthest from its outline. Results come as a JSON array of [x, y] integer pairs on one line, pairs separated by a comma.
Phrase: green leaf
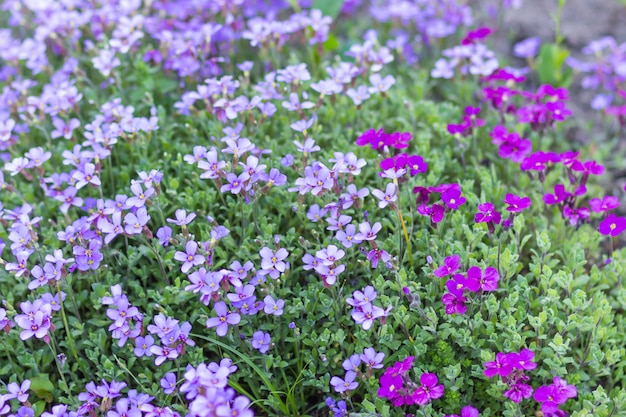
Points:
[[42, 387], [328, 7]]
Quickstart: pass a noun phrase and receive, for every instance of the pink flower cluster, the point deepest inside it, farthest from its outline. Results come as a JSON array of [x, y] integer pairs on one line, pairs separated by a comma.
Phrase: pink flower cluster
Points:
[[398, 387], [511, 367], [474, 281], [553, 395]]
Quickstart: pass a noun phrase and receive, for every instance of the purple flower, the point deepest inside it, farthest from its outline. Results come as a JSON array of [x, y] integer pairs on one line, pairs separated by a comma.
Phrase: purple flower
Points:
[[136, 221], [450, 265], [235, 183], [86, 174], [366, 314], [348, 237], [223, 319], [182, 218], [518, 392], [165, 235], [273, 307], [367, 231], [527, 48], [14, 390], [168, 383], [140, 196], [380, 84], [386, 198], [189, 257], [163, 353], [261, 341], [346, 384], [143, 345], [90, 257], [273, 263], [372, 359]]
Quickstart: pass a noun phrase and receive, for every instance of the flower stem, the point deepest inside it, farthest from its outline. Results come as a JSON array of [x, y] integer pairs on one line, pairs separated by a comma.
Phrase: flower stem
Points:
[[406, 237]]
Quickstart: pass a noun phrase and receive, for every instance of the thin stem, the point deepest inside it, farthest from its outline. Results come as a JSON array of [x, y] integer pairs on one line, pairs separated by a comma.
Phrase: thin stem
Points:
[[68, 331], [55, 359], [406, 237]]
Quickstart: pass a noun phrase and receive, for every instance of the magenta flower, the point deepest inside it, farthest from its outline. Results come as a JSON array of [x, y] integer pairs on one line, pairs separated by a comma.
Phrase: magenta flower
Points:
[[416, 165], [436, 212], [453, 198], [429, 390], [501, 366], [518, 392], [516, 204], [488, 280], [223, 319], [523, 360], [389, 385], [454, 302], [612, 225], [560, 195], [467, 411], [487, 213], [450, 265], [605, 204], [460, 282]]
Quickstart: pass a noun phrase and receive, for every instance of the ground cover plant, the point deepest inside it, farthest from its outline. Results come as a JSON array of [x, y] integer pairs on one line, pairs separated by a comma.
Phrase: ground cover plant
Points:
[[282, 208]]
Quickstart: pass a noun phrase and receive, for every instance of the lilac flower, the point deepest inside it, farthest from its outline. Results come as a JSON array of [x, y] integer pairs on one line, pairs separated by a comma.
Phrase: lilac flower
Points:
[[6, 127], [272, 263], [165, 235], [135, 222], [182, 218], [273, 307], [162, 354], [261, 341], [143, 345], [367, 231], [168, 383], [189, 257], [372, 359], [140, 196], [36, 325], [315, 213], [20, 392], [527, 48], [235, 182], [68, 198], [358, 95], [366, 314], [123, 408], [223, 319], [389, 197], [330, 255], [163, 325], [346, 384], [308, 147], [380, 84], [90, 257], [348, 237]]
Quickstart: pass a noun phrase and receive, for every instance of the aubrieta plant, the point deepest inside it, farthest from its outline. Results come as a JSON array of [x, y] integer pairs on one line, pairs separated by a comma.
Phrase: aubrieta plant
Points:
[[302, 208]]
